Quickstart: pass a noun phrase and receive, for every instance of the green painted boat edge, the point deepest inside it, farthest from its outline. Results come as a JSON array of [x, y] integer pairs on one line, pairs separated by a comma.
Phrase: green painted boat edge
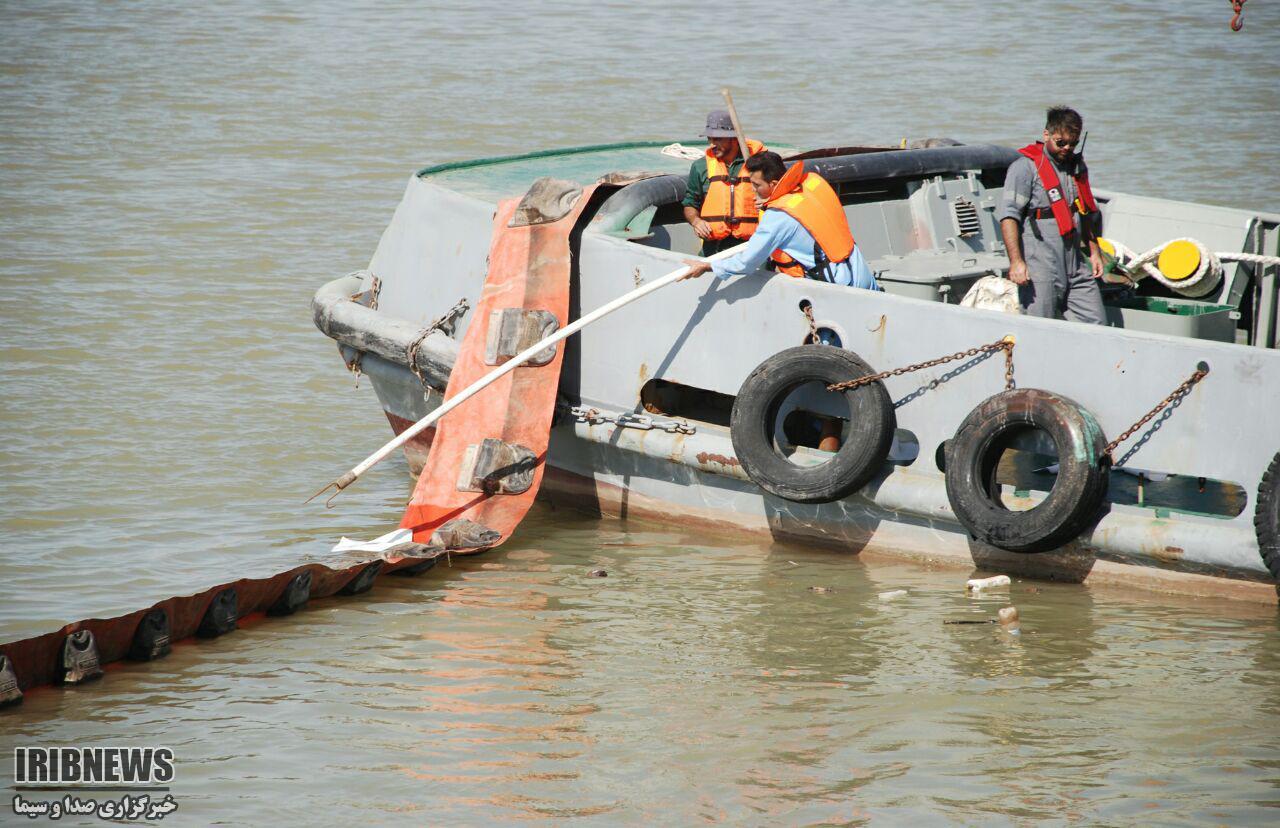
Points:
[[506, 159]]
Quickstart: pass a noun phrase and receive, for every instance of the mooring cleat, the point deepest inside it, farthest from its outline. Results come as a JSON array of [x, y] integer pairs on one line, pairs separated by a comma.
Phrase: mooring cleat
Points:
[[220, 618], [513, 330], [496, 467], [295, 595], [363, 581], [10, 692], [79, 662], [461, 533], [152, 639]]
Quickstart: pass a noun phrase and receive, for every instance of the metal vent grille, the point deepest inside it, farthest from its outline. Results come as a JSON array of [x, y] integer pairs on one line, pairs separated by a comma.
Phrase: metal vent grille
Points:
[[965, 214]]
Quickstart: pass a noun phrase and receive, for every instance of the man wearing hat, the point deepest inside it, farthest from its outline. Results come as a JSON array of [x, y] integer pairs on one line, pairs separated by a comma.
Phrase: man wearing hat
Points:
[[719, 201]]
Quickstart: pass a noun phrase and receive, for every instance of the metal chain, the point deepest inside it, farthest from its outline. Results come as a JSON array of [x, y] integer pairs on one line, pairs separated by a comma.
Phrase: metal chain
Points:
[[445, 325], [643, 422], [1005, 345], [807, 308], [1177, 393], [354, 366]]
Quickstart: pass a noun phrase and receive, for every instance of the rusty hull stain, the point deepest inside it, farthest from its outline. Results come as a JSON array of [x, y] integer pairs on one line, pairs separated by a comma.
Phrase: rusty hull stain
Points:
[[705, 457]]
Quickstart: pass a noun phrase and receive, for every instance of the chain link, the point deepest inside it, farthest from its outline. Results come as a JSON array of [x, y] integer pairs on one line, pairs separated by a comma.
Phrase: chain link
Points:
[[445, 325], [807, 308], [1177, 393], [356, 363], [642, 422], [1005, 345]]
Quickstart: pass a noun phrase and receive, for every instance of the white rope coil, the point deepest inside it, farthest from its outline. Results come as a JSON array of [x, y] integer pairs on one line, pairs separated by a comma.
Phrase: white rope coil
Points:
[[1202, 282], [678, 150]]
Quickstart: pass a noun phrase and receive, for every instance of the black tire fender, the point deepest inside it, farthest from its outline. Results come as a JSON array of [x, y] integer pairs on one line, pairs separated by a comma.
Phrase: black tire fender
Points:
[[1266, 517], [1078, 495], [755, 413]]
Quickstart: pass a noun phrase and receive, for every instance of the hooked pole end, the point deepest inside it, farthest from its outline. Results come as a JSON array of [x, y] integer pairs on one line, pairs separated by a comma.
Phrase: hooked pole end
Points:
[[337, 485]]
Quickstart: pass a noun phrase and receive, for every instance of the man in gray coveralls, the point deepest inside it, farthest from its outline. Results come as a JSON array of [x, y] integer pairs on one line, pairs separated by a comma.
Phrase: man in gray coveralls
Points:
[[1049, 220]]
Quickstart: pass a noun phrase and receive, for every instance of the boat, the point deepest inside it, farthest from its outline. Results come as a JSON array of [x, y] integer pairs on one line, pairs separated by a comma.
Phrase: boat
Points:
[[999, 454]]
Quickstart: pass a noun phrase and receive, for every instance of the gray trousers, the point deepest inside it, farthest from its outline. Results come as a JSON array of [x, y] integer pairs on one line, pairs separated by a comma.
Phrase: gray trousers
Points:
[[1056, 296], [1061, 276]]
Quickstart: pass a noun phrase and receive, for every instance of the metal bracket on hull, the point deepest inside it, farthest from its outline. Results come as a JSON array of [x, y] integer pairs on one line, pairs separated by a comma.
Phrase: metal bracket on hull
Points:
[[512, 330], [495, 467]]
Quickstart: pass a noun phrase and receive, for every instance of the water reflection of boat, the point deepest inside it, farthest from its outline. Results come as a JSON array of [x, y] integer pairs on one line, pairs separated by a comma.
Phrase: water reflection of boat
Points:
[[648, 396]]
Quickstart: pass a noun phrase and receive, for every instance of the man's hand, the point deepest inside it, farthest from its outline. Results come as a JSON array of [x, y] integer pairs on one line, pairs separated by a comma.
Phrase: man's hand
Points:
[[1011, 232], [695, 220], [696, 267], [1095, 258]]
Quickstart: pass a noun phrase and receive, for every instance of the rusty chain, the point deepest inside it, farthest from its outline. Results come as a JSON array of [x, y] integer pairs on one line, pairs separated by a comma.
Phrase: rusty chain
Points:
[[807, 308], [374, 291], [1237, 19], [1005, 345], [445, 325], [643, 422], [1177, 393]]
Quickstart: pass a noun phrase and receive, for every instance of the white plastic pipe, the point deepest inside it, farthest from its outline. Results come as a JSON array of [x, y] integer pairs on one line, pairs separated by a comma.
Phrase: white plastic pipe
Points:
[[502, 370]]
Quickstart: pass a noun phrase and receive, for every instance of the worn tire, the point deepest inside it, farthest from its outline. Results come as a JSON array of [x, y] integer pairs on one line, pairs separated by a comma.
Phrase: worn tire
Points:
[[1083, 476], [755, 412], [1266, 517]]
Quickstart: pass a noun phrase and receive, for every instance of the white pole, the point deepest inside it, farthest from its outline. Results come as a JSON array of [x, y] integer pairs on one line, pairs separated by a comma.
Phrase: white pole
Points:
[[505, 368]]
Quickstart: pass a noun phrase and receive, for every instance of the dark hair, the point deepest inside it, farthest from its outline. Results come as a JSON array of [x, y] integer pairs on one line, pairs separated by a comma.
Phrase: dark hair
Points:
[[1063, 119], [768, 164]]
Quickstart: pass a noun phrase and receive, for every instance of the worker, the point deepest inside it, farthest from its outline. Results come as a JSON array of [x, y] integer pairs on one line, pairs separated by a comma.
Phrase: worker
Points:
[[804, 232], [803, 229], [1050, 223], [719, 203]]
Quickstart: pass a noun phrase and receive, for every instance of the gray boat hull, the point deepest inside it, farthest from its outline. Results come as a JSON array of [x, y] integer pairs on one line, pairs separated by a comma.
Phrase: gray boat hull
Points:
[[709, 334]]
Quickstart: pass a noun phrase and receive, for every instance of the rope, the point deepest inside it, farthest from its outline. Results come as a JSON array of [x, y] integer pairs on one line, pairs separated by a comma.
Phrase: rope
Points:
[[445, 325], [678, 150], [1200, 283]]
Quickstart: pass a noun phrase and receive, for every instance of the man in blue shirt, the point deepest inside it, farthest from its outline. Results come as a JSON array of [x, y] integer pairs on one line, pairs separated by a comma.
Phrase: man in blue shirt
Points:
[[789, 200]]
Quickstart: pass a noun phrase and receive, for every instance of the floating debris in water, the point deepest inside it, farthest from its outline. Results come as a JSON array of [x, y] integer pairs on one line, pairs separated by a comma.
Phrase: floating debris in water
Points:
[[979, 584], [598, 573], [821, 589], [891, 594], [1008, 617]]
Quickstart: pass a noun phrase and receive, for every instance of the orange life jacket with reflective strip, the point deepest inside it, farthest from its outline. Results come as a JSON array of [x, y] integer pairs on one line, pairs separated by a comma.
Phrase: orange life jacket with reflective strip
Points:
[[810, 200], [730, 204], [1084, 205]]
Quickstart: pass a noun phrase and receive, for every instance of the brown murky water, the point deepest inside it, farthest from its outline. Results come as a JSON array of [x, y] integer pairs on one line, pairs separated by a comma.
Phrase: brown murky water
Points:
[[176, 181]]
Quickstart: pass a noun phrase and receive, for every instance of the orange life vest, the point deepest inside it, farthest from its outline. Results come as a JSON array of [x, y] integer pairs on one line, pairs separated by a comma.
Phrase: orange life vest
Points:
[[810, 200], [730, 204]]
